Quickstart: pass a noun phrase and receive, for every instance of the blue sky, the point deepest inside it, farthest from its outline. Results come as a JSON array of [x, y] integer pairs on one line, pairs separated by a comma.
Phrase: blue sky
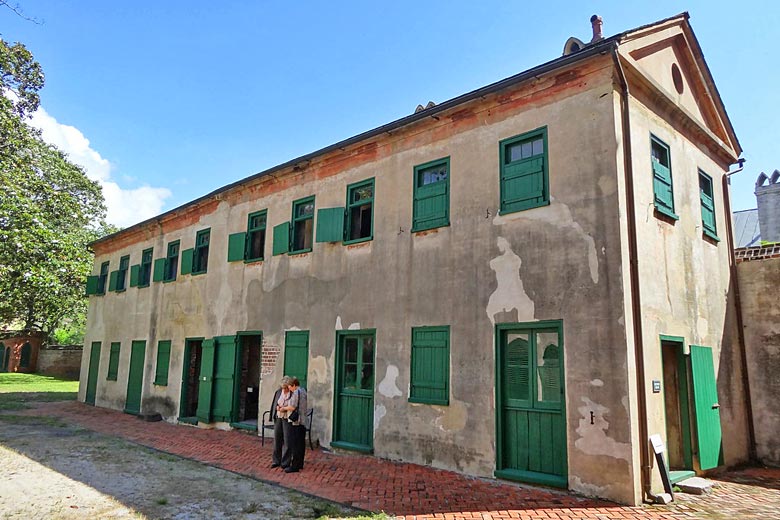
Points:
[[166, 101]]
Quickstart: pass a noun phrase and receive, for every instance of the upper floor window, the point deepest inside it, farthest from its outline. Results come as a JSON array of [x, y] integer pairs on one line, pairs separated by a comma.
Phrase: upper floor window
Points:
[[524, 171], [661, 161], [171, 261], [146, 268], [102, 278], [707, 199], [360, 212], [255, 236], [121, 275], [200, 258], [431, 207], [302, 225]]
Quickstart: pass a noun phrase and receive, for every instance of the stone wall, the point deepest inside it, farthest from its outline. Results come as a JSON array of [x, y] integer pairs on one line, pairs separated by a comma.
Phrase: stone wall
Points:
[[60, 361], [759, 278]]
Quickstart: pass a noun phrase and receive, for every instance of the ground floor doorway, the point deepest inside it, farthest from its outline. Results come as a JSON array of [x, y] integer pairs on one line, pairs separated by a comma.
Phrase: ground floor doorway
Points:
[[353, 424], [248, 388], [135, 377], [190, 379]]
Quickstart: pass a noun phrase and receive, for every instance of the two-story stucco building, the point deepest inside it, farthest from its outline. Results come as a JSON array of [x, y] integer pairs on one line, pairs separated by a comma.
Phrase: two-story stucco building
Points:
[[525, 282]]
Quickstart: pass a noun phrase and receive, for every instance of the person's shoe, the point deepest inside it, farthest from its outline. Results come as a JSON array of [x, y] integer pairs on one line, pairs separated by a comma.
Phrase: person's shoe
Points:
[[290, 470], [274, 465]]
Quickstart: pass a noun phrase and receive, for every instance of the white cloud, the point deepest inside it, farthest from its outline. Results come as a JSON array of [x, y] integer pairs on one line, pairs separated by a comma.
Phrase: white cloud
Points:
[[125, 206]]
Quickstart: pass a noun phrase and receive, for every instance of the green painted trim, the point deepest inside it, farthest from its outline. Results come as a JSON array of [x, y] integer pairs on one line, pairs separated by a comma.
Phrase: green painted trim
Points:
[[443, 221], [665, 212], [250, 333], [250, 230], [533, 477], [352, 447], [502, 146], [242, 426], [682, 396], [709, 234], [349, 206], [510, 474], [672, 339], [337, 382], [676, 476], [200, 268], [293, 221], [141, 283], [168, 258]]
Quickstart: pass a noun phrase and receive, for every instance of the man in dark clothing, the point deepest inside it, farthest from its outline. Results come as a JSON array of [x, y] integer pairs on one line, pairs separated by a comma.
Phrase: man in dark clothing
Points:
[[294, 430]]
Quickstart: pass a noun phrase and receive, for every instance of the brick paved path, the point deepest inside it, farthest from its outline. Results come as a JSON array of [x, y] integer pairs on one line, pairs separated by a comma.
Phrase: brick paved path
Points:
[[407, 490]]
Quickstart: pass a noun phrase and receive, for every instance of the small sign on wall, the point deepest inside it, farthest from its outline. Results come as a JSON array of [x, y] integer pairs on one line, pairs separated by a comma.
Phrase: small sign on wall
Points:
[[656, 386]]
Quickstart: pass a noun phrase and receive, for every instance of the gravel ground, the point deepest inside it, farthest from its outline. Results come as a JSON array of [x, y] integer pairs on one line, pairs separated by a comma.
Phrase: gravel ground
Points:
[[49, 469]]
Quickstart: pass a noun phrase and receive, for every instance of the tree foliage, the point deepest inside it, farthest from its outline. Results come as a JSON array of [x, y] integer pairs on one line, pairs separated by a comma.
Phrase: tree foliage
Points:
[[49, 210]]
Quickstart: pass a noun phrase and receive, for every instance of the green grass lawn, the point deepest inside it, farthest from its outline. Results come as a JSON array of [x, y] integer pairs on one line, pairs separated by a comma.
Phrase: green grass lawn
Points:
[[17, 390]]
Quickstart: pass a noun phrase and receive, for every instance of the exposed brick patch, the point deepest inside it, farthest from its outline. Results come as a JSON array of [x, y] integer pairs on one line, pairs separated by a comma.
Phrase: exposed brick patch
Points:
[[269, 356], [746, 254]]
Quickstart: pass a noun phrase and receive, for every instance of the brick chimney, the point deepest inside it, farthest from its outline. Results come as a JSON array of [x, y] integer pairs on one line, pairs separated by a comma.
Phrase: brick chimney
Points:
[[596, 22], [768, 198]]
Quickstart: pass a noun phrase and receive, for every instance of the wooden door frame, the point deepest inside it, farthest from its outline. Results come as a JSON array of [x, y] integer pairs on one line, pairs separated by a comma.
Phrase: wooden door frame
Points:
[[183, 390], [237, 375], [337, 381], [89, 371], [535, 478], [683, 396]]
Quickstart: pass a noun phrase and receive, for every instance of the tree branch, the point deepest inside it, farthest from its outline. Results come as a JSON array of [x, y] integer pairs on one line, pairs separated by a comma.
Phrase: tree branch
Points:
[[17, 10]]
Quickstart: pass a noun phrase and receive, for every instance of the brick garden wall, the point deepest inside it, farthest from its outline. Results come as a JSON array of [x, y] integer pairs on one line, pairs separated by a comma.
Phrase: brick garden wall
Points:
[[60, 360]]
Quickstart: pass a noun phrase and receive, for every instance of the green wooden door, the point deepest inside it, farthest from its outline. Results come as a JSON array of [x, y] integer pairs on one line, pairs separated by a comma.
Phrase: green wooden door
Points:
[[224, 378], [92, 375], [353, 427], [705, 400], [206, 380], [531, 423], [296, 355], [135, 377]]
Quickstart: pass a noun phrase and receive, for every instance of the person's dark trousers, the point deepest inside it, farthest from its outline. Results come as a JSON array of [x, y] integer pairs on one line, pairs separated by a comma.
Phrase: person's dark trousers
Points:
[[298, 447], [289, 443], [278, 456]]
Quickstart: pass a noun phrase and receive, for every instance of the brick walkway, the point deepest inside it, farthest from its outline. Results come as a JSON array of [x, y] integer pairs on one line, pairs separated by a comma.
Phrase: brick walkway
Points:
[[406, 490]]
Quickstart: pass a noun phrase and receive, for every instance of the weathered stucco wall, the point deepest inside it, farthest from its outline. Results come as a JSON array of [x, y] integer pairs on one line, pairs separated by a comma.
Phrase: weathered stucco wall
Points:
[[758, 287], [687, 289], [60, 361], [561, 261]]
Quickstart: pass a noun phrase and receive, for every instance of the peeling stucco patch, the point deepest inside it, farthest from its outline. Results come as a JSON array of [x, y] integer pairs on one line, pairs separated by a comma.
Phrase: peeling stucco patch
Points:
[[379, 412], [292, 329], [318, 369], [702, 326], [593, 438], [509, 293], [338, 323], [387, 387], [597, 382], [558, 214], [453, 417], [354, 326], [587, 489]]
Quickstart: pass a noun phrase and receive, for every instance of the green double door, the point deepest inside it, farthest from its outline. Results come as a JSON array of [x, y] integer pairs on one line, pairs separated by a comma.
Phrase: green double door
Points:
[[530, 414], [92, 374], [135, 377], [353, 425]]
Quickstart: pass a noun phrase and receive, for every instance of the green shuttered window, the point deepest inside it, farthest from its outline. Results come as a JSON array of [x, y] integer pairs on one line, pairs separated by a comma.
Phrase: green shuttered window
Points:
[[145, 271], [113, 361], [163, 362], [92, 285], [255, 236], [431, 195], [102, 279], [330, 225], [281, 238], [159, 269], [302, 226], [200, 256], [360, 212], [707, 206], [524, 171], [135, 275], [121, 277], [663, 189], [171, 262], [430, 373], [296, 355]]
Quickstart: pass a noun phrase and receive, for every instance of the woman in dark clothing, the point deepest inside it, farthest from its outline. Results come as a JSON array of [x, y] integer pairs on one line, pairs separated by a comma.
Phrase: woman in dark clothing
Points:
[[295, 431], [280, 457]]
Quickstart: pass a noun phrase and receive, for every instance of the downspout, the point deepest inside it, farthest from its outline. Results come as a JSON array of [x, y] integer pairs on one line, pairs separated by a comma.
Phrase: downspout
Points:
[[738, 304], [636, 308]]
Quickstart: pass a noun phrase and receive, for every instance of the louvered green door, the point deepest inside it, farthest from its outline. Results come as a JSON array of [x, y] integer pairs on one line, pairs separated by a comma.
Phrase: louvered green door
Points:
[[705, 400], [92, 375], [296, 355], [224, 378], [353, 425], [135, 377], [531, 424], [206, 381]]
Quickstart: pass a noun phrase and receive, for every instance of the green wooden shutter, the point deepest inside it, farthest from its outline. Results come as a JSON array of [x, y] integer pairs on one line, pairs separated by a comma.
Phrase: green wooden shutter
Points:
[[135, 275], [330, 225], [236, 245], [296, 355], [662, 187], [707, 205], [431, 206], [113, 361], [163, 361], [517, 371], [135, 377], [705, 399], [158, 274], [186, 260], [224, 377], [522, 184], [206, 380], [93, 283], [113, 280], [430, 365], [281, 238]]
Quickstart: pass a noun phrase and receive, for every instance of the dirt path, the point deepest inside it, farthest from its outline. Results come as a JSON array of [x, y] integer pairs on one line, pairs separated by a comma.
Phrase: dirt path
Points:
[[50, 469]]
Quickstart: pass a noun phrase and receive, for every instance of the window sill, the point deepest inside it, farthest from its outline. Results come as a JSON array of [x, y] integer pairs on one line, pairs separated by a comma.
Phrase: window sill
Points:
[[110, 379], [663, 212], [711, 236], [159, 384], [299, 252], [429, 401], [358, 240], [169, 281], [254, 260], [504, 211], [193, 273], [142, 286], [428, 228]]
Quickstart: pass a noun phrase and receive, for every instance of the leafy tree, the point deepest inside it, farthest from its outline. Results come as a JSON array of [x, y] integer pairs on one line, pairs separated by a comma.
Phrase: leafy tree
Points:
[[49, 210]]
